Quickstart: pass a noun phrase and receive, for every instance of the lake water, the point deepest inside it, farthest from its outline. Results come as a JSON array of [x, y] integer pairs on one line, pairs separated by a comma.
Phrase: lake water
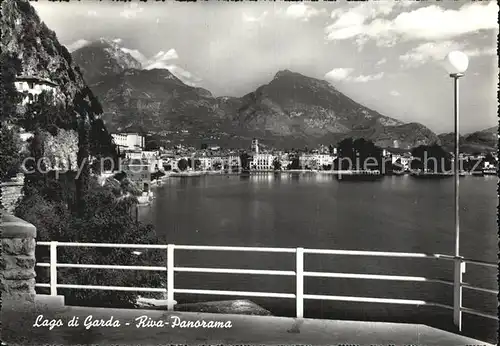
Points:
[[397, 213]]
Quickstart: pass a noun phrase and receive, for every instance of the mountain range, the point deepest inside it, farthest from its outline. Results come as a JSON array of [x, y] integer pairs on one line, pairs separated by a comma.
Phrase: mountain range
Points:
[[475, 142], [291, 110]]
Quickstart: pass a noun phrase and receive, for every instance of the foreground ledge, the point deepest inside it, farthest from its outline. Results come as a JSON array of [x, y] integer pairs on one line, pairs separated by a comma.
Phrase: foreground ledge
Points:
[[18, 330]]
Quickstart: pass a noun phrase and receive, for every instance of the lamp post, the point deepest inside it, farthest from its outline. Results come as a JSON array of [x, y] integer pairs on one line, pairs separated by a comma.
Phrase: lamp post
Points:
[[456, 64]]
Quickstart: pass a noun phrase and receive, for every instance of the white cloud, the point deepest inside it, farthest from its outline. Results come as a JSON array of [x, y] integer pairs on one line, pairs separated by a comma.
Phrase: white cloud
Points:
[[480, 52], [92, 13], [303, 12], [163, 61], [429, 51], [394, 93], [338, 74], [381, 61], [77, 45], [136, 55], [185, 76], [131, 11], [169, 55], [437, 51], [366, 78], [344, 74], [429, 23], [252, 19]]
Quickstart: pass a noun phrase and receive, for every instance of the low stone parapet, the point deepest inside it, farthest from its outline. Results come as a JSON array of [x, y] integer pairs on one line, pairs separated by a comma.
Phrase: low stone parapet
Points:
[[17, 264]]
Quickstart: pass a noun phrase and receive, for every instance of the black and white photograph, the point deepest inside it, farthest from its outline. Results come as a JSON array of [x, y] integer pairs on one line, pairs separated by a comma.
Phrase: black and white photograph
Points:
[[249, 172]]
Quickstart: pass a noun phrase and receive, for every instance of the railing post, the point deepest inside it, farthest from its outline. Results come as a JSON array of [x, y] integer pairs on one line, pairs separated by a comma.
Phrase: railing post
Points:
[[53, 268], [300, 282], [459, 269], [170, 277]]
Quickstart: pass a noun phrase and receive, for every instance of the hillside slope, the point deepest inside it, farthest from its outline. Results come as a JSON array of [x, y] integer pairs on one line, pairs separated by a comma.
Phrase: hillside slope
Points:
[[479, 141]]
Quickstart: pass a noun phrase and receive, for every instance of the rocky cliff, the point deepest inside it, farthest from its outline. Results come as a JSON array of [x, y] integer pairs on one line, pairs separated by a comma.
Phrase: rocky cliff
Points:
[[41, 55]]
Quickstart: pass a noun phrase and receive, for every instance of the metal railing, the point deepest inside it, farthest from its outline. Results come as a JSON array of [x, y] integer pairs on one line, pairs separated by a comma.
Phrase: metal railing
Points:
[[299, 274]]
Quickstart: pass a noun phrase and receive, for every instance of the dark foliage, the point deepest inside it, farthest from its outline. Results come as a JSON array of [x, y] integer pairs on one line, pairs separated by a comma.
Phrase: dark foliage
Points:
[[10, 66], [245, 161], [431, 158], [106, 219], [276, 164], [9, 153], [182, 164], [358, 154]]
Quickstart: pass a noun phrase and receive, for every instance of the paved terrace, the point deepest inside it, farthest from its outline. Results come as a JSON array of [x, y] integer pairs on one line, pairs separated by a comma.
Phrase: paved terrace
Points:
[[263, 330]]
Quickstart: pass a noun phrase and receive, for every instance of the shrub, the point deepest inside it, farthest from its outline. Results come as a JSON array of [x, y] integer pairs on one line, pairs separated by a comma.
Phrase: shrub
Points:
[[106, 219]]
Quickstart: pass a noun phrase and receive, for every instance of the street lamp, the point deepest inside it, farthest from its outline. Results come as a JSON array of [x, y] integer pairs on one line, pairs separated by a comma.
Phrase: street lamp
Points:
[[456, 64]]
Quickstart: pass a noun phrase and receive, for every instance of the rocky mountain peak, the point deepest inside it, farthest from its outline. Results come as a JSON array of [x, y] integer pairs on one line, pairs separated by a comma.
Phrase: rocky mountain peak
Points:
[[285, 73], [102, 57]]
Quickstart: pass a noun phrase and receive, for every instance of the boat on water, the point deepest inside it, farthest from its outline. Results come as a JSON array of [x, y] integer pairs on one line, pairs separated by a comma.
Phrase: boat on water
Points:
[[490, 172], [365, 175], [477, 173], [433, 175]]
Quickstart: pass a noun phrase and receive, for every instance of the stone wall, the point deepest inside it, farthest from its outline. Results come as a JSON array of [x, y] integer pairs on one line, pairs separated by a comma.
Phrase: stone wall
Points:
[[17, 264], [12, 192]]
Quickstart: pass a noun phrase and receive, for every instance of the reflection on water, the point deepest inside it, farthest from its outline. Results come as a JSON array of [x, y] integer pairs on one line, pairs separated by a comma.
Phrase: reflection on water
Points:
[[319, 210], [398, 213]]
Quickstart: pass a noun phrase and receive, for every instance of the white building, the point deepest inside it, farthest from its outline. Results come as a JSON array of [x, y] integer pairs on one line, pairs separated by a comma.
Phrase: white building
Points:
[[31, 86], [155, 162], [232, 162], [315, 161], [262, 162], [138, 171], [255, 146], [405, 160], [206, 163], [129, 141]]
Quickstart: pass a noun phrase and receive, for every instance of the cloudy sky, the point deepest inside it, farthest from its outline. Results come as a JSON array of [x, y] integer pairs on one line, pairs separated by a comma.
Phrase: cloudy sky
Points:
[[386, 55]]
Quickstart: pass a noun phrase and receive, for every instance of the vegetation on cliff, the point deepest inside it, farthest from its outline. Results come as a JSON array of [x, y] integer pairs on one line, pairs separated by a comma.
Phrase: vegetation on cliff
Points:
[[66, 206]]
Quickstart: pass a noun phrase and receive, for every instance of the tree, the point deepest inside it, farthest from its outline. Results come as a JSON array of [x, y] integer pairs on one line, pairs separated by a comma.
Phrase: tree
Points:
[[47, 115], [331, 149], [204, 146], [9, 152], [295, 162], [490, 158], [431, 158], [151, 143], [276, 164], [313, 164], [10, 67], [217, 165], [358, 154], [107, 218], [182, 164], [245, 161]]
